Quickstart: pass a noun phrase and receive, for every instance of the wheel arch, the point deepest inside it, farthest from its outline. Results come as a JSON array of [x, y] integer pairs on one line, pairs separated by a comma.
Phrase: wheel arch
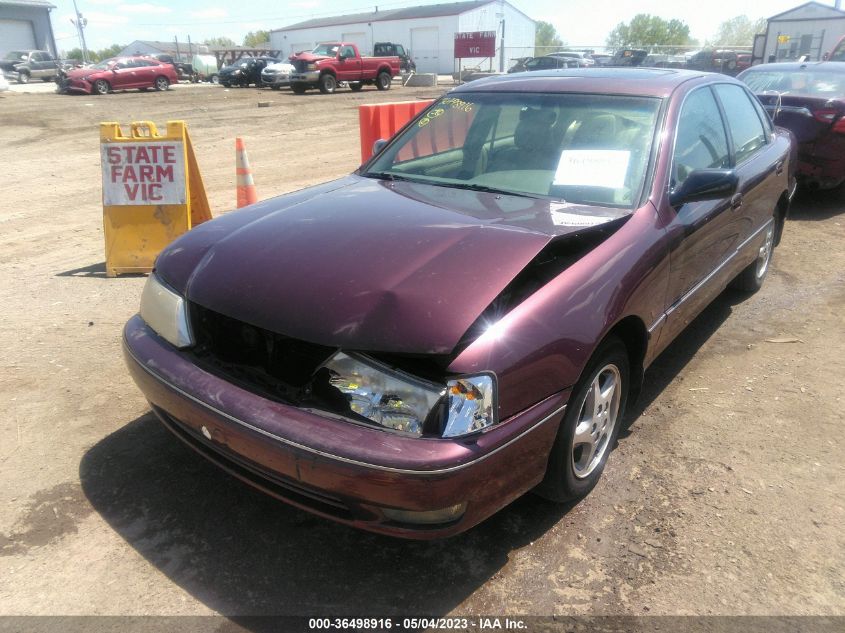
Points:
[[631, 330], [782, 212]]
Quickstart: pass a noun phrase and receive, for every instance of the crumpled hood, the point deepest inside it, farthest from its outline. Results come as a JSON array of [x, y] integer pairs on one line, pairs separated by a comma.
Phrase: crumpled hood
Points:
[[308, 56], [363, 264]]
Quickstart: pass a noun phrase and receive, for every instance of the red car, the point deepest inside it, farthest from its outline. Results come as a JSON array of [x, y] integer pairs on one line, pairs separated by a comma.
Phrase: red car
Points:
[[807, 98], [119, 73], [467, 317]]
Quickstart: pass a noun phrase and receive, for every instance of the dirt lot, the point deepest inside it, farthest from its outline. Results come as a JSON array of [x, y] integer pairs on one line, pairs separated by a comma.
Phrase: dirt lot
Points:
[[723, 498]]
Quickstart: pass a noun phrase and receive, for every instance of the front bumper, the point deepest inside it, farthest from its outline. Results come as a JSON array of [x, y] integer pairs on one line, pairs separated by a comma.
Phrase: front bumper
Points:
[[310, 77], [275, 80], [332, 467]]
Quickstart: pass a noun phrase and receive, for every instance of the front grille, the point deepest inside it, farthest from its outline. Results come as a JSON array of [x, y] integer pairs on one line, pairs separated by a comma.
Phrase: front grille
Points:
[[271, 364], [300, 65], [255, 474]]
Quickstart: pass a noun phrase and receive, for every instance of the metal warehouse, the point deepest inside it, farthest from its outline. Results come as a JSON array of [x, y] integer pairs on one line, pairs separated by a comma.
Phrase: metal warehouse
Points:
[[25, 25], [810, 29], [428, 32]]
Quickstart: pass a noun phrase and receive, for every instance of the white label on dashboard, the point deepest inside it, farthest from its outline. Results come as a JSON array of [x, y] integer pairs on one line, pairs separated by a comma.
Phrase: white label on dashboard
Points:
[[592, 168]]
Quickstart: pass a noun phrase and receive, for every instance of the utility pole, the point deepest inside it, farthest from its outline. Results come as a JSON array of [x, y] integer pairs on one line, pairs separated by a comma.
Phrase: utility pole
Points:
[[81, 23], [502, 49]]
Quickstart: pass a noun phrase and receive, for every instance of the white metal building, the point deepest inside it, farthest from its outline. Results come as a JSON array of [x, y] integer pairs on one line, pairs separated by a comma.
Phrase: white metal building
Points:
[[811, 29], [25, 25], [150, 47], [427, 32]]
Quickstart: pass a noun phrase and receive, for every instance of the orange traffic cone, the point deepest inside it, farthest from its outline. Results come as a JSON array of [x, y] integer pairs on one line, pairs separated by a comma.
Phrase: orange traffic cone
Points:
[[246, 187]]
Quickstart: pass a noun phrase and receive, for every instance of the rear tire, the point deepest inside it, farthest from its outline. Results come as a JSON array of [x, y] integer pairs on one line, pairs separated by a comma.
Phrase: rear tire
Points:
[[751, 279], [101, 87], [590, 425], [383, 80], [214, 79], [328, 84]]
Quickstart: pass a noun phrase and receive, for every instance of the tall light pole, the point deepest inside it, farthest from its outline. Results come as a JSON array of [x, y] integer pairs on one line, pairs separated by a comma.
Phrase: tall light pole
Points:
[[81, 23]]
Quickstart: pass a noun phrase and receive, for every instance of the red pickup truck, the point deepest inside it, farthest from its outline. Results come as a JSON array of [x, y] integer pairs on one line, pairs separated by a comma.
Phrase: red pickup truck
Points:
[[330, 63]]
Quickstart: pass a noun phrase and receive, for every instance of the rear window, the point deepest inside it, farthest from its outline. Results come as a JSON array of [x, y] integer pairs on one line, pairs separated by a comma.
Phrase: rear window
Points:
[[805, 82]]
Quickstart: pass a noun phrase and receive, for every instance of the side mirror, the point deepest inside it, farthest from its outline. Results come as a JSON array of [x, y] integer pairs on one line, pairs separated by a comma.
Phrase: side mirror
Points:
[[379, 145], [704, 184]]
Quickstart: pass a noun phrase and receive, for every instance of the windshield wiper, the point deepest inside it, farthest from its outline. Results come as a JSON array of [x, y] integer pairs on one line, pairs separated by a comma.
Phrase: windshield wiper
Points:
[[485, 189], [387, 175]]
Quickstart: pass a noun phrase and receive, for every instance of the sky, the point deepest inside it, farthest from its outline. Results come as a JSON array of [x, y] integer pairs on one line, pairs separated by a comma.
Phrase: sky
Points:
[[579, 22]]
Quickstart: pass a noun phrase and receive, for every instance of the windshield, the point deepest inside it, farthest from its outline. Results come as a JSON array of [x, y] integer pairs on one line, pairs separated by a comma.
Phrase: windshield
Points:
[[581, 148], [804, 82], [105, 64], [16, 55], [329, 50]]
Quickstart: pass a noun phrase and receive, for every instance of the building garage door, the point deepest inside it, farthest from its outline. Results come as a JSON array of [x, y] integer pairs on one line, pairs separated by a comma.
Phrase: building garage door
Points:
[[425, 49], [359, 39], [15, 35]]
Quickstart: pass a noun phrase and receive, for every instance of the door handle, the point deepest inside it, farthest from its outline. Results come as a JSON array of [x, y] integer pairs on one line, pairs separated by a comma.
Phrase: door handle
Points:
[[779, 167], [736, 201]]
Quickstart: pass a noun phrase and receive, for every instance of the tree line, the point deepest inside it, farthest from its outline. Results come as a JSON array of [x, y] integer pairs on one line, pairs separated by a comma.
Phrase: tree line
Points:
[[650, 30]]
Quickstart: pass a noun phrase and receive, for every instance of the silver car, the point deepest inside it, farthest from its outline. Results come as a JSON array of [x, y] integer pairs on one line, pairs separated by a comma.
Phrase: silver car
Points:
[[277, 76]]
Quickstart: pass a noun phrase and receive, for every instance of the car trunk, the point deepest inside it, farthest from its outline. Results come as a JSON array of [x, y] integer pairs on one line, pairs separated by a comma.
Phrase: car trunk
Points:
[[807, 117]]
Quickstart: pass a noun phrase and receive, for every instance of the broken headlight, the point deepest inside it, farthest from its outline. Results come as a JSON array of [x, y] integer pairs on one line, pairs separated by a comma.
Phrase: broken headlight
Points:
[[390, 399], [399, 401]]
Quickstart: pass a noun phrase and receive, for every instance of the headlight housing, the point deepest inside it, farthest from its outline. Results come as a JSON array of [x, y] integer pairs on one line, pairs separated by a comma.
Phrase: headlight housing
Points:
[[401, 402], [311, 67], [166, 312]]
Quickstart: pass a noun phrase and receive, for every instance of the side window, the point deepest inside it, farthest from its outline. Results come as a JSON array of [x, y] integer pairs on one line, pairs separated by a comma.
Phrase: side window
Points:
[[744, 124], [701, 142], [764, 116], [400, 51], [347, 51]]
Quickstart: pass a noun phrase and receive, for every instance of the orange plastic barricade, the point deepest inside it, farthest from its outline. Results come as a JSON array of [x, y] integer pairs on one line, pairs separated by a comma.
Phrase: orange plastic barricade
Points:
[[383, 120], [152, 192]]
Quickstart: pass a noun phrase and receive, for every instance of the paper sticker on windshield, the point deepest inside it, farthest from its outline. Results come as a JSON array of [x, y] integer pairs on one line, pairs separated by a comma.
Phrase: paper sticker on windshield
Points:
[[592, 168]]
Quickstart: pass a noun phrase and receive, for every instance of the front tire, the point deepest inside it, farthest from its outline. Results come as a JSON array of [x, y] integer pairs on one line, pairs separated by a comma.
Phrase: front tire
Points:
[[383, 81], [101, 87], [298, 88], [751, 279], [161, 84], [23, 77], [328, 84], [215, 79], [590, 425]]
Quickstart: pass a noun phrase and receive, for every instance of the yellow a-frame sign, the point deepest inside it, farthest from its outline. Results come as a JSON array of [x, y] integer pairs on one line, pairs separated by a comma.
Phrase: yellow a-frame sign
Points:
[[152, 192]]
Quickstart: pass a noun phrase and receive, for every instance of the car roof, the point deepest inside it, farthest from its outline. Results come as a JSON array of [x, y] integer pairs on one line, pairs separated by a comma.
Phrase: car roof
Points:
[[836, 67], [648, 82]]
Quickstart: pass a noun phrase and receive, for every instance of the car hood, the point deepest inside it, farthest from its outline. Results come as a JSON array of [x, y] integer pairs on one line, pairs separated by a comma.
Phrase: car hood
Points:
[[367, 264], [84, 72], [9, 65], [281, 67], [309, 57]]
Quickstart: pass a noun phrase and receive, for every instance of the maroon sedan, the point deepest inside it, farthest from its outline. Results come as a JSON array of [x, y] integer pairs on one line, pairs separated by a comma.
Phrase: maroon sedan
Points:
[[467, 316], [808, 98], [119, 73]]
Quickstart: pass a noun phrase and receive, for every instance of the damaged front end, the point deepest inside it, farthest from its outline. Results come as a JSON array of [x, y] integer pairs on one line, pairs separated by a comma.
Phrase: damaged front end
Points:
[[414, 394]]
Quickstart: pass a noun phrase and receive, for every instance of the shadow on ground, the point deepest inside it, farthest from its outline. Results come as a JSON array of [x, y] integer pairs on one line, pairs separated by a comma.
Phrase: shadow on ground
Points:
[[816, 205], [242, 553]]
